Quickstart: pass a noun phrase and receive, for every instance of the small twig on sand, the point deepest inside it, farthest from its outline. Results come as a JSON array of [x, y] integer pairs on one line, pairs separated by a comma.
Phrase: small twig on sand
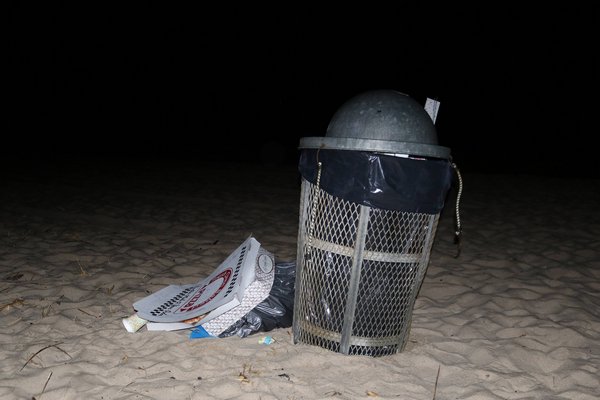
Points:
[[44, 388], [13, 303], [90, 314], [55, 345], [436, 382], [46, 311], [82, 271]]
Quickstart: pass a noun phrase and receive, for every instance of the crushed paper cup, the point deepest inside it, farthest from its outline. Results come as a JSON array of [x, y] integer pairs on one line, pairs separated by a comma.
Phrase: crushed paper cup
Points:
[[133, 323]]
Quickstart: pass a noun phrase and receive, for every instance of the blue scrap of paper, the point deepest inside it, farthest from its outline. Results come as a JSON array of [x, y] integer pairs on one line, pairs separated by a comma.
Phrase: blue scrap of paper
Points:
[[200, 332]]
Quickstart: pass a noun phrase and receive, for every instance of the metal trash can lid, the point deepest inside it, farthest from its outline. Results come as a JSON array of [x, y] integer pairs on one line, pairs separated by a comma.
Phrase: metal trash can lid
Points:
[[384, 121]]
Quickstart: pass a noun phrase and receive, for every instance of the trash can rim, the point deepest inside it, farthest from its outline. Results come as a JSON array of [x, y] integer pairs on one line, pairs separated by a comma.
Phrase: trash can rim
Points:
[[375, 145]]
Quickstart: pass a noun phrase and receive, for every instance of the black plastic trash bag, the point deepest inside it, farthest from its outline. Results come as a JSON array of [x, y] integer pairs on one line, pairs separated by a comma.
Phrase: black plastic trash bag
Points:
[[378, 180], [276, 311]]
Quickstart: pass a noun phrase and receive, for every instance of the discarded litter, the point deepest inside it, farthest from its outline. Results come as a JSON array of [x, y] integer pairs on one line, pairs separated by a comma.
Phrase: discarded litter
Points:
[[133, 323], [266, 340], [238, 298], [200, 332], [276, 311]]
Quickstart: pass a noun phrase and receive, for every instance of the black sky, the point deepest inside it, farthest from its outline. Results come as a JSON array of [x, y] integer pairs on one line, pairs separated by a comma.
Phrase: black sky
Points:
[[157, 80]]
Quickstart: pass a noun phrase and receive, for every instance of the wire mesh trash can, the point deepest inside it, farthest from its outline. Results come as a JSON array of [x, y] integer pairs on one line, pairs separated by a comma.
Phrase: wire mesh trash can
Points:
[[371, 194]]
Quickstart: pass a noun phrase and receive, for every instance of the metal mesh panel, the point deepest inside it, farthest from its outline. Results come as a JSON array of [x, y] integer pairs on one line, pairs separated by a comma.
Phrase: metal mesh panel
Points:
[[358, 273]]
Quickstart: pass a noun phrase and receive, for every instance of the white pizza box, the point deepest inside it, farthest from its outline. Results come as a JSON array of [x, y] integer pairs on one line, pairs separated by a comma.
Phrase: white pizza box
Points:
[[221, 291]]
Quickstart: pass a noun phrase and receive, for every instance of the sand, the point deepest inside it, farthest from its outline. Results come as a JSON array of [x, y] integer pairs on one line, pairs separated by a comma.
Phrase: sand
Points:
[[515, 316]]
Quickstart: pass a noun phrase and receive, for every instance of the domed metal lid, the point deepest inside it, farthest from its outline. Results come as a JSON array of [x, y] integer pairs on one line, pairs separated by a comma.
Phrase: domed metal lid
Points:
[[382, 121]]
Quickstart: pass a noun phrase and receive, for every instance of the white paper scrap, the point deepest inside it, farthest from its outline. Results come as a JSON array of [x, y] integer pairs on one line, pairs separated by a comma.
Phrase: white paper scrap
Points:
[[432, 107], [133, 323]]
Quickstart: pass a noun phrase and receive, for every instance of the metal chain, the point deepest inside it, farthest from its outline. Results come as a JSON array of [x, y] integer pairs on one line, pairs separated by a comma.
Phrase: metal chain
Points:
[[458, 230], [313, 213]]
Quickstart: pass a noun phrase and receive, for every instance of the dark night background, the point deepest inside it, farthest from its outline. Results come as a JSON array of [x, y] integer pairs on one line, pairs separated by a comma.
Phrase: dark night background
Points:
[[162, 81]]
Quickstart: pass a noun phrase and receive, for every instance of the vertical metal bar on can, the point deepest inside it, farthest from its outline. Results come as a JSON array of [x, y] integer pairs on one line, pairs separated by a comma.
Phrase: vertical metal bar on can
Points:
[[357, 259]]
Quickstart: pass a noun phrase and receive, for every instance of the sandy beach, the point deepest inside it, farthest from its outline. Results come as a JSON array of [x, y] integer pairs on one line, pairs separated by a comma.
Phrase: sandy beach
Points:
[[515, 316]]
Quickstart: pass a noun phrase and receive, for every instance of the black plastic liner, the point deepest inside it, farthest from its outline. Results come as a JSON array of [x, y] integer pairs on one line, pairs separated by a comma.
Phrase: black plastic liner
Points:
[[378, 180], [276, 311]]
